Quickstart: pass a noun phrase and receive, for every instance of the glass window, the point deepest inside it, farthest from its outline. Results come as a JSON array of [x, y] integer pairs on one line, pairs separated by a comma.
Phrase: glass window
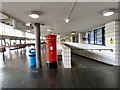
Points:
[[29, 35], [92, 37], [75, 38], [100, 36]]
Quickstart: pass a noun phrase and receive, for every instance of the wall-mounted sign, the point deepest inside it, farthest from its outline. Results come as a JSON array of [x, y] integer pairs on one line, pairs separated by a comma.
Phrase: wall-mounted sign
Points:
[[111, 40]]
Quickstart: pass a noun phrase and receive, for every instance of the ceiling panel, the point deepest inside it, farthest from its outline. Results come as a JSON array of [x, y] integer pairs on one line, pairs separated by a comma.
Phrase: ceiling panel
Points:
[[85, 15]]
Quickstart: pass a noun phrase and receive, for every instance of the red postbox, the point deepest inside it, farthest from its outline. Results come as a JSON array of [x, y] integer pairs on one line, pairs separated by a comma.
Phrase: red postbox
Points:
[[51, 53]]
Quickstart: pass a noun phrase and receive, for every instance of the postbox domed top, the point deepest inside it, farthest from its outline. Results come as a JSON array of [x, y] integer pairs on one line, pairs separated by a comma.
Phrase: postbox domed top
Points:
[[51, 36]]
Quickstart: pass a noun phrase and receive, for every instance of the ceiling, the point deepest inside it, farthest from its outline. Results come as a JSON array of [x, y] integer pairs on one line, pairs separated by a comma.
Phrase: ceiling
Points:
[[85, 16]]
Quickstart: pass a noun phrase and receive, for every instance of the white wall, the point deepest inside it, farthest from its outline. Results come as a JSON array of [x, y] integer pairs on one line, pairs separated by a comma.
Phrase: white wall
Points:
[[66, 56], [117, 42], [106, 56]]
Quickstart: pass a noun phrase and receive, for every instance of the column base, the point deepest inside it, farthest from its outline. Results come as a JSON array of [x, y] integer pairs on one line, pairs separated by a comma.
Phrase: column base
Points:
[[32, 66], [52, 65]]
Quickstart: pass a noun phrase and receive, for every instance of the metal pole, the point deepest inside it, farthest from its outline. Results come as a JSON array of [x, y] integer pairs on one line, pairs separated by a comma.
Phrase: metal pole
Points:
[[20, 41], [37, 44]]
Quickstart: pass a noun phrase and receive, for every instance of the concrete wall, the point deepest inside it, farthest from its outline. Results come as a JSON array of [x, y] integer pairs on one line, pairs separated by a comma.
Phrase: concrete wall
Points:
[[107, 56], [112, 30]]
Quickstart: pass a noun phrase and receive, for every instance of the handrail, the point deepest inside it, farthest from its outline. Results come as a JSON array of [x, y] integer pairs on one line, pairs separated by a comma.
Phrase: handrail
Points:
[[86, 49], [94, 49]]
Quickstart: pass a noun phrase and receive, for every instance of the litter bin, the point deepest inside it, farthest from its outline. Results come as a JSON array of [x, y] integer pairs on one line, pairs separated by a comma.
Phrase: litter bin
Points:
[[32, 57]]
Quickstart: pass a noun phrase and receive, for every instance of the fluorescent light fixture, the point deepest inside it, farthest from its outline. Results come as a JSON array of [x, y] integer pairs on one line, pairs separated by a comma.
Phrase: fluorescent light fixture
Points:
[[34, 14], [72, 32], [48, 30], [67, 20], [108, 12]]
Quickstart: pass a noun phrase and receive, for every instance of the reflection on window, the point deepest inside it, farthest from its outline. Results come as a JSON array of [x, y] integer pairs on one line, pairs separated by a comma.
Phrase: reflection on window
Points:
[[75, 38], [9, 31], [94, 37], [29, 35]]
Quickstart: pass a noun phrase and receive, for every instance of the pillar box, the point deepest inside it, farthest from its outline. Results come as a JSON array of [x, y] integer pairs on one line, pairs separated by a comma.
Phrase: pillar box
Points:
[[51, 52]]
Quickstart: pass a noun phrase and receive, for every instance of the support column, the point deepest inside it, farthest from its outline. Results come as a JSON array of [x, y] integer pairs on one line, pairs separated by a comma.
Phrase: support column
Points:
[[37, 44], [80, 37], [10, 41], [20, 41], [4, 42]]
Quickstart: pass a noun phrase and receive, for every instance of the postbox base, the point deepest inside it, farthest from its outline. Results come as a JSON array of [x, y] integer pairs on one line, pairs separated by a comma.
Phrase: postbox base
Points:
[[52, 65]]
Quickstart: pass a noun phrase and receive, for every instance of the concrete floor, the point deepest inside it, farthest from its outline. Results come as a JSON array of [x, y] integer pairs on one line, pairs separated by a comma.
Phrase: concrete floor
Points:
[[85, 73]]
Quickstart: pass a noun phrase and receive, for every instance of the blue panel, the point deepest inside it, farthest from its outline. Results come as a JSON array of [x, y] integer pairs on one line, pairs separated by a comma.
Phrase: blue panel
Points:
[[99, 36], [92, 37]]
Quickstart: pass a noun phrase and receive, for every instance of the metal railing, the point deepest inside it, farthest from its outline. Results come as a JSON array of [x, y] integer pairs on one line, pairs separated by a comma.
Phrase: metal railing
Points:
[[76, 48]]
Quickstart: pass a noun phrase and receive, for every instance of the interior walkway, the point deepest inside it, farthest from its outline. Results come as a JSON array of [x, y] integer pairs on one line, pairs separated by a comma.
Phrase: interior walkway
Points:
[[85, 73]]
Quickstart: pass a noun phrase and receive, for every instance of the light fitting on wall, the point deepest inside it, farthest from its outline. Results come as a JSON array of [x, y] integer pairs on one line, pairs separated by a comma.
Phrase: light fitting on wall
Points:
[[73, 32], [108, 12], [34, 14]]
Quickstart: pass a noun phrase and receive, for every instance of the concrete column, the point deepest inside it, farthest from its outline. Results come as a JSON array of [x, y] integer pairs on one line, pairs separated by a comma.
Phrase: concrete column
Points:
[[37, 44], [10, 41], [71, 39], [1, 42], [80, 38]]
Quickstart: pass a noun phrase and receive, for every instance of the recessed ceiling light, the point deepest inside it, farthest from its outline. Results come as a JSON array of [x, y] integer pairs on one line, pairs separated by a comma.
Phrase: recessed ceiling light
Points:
[[34, 14], [67, 20], [108, 12], [28, 30], [48, 30], [72, 32], [28, 24]]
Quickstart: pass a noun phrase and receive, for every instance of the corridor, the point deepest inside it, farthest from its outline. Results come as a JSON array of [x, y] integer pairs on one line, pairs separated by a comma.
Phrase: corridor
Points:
[[85, 73]]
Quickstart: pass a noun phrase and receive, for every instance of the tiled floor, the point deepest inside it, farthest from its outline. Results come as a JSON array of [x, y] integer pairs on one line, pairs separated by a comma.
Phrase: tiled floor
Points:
[[85, 73]]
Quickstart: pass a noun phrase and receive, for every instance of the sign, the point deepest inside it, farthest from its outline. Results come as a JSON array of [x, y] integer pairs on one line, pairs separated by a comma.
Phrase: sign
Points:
[[111, 40]]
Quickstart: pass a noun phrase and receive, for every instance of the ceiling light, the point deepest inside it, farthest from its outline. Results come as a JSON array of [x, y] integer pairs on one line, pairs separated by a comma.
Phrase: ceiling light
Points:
[[48, 30], [72, 32], [66, 35], [28, 30], [34, 14], [67, 20], [28, 24], [108, 12]]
